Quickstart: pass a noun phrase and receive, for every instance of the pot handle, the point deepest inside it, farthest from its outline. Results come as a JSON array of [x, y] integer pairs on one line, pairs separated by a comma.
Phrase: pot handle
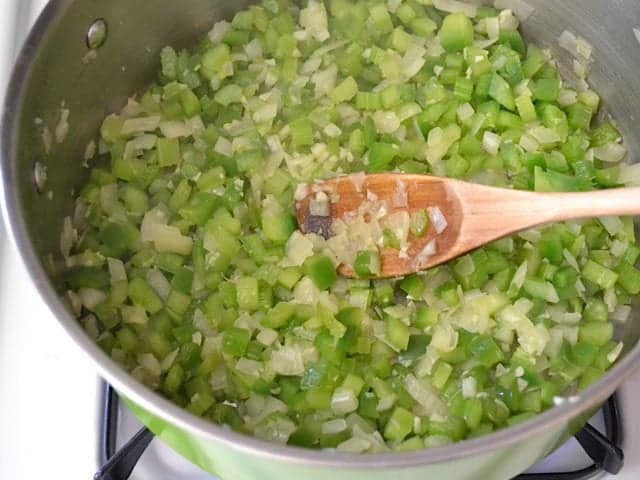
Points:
[[120, 466]]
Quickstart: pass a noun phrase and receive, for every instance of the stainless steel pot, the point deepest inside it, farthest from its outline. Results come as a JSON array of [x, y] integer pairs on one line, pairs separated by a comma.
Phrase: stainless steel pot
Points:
[[54, 70]]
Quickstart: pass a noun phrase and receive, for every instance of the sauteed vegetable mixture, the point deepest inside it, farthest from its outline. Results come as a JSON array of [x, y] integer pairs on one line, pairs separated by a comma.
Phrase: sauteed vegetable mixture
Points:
[[186, 266]]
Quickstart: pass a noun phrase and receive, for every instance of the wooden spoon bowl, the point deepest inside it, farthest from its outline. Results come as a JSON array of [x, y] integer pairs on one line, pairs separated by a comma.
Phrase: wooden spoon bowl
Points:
[[475, 214]]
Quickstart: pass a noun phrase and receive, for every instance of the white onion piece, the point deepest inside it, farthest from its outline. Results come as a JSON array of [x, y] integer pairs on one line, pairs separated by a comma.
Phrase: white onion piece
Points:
[[567, 97], [343, 401], [223, 147], [167, 361], [158, 283], [150, 363], [521, 8], [176, 129], [465, 112], [422, 259], [249, 367], [287, 361], [621, 313], [334, 426], [116, 270], [140, 125], [529, 144], [91, 298], [453, 6], [133, 314], [629, 174], [219, 30], [469, 387], [612, 225], [314, 20], [613, 355], [427, 396], [354, 445], [491, 142], [571, 260], [611, 152], [68, 237], [438, 220], [62, 128]]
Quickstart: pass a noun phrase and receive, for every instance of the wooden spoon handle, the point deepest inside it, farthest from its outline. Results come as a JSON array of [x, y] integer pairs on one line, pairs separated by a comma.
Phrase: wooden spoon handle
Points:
[[492, 213], [601, 203]]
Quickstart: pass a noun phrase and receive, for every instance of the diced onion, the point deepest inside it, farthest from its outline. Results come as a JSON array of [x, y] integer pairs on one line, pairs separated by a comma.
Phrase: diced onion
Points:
[[343, 401], [334, 426], [465, 112], [621, 313], [444, 338], [140, 125], [612, 152], [427, 396], [567, 97], [62, 128], [91, 298], [491, 142], [613, 225], [287, 361], [386, 121], [425, 254], [521, 8], [159, 283], [454, 6], [438, 219], [219, 30], [613, 355], [223, 147], [117, 271], [629, 174], [354, 445], [469, 387], [313, 19], [134, 314], [249, 367], [150, 363]]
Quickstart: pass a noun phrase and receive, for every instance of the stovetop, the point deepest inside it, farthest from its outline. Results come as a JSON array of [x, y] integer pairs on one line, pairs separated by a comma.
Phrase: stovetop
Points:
[[51, 397]]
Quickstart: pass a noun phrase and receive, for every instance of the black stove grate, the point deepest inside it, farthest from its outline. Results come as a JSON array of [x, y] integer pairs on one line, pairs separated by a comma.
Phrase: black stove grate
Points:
[[603, 449]]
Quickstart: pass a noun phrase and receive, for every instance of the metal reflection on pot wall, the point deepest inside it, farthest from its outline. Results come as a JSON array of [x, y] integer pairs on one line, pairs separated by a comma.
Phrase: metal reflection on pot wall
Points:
[[51, 76]]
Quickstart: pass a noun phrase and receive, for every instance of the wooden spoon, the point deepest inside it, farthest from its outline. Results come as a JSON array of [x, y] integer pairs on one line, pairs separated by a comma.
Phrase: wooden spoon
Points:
[[475, 214]]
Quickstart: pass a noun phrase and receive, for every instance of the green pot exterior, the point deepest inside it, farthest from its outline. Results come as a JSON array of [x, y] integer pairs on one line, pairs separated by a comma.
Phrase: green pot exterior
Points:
[[230, 463]]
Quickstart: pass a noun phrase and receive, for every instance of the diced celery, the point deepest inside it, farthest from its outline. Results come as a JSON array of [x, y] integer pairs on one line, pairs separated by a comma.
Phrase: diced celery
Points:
[[456, 32]]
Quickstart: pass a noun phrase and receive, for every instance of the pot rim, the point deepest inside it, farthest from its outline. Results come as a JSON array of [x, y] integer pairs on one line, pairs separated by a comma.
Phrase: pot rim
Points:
[[154, 403]]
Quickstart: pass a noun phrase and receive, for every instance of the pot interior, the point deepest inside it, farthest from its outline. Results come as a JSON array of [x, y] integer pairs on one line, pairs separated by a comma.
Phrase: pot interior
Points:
[[57, 71]]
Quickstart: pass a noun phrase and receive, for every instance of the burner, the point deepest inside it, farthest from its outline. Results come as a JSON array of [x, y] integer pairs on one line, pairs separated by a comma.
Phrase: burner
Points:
[[603, 449]]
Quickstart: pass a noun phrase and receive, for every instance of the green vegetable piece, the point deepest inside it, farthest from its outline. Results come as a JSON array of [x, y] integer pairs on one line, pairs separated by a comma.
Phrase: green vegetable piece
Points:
[[484, 349], [367, 264], [168, 152], [601, 276], [596, 333], [278, 227], [397, 333], [419, 223], [142, 295], [629, 278], [500, 91], [247, 293], [344, 91], [321, 270], [235, 341], [399, 425], [456, 32], [279, 316]]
